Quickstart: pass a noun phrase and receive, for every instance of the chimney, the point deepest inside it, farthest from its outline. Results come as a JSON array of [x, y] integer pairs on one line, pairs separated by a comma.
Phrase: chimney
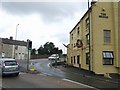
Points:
[[11, 38]]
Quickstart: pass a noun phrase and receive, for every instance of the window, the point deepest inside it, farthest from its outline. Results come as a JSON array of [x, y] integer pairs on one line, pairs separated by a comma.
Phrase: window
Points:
[[87, 58], [72, 36], [107, 36], [87, 39], [78, 59], [74, 59], [78, 31], [16, 55], [10, 63], [71, 60], [108, 58], [72, 45], [87, 23]]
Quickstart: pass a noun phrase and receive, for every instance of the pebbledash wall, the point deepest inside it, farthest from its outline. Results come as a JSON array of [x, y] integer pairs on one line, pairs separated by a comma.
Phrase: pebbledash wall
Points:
[[104, 39]]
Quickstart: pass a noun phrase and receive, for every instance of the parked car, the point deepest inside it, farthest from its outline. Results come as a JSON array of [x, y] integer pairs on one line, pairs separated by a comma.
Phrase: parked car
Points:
[[54, 57], [9, 66]]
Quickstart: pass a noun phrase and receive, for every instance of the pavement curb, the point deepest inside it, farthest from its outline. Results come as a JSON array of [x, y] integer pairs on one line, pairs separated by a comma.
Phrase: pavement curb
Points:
[[28, 71]]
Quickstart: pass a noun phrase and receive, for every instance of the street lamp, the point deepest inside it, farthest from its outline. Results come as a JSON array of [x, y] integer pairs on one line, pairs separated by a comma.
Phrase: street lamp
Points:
[[16, 31], [15, 39]]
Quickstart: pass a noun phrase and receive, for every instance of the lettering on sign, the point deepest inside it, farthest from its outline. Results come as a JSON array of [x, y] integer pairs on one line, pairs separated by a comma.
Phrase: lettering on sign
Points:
[[103, 15]]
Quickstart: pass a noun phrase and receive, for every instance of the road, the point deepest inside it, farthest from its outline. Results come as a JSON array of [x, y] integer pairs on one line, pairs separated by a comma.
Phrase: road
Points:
[[43, 67], [25, 80]]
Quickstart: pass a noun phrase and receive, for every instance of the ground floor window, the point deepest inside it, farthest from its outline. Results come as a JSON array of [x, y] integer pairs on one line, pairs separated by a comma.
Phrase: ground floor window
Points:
[[108, 58], [87, 58], [78, 59], [71, 60], [74, 59]]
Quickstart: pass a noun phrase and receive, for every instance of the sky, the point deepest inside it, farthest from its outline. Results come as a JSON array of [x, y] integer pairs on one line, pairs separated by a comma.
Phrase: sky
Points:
[[41, 21]]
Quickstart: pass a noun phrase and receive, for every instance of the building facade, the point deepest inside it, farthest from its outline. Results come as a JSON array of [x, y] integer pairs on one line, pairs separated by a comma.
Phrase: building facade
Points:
[[103, 42], [10, 48]]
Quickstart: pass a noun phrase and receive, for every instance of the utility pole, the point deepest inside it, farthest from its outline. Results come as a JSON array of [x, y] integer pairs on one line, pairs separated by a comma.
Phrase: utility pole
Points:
[[89, 35], [15, 39]]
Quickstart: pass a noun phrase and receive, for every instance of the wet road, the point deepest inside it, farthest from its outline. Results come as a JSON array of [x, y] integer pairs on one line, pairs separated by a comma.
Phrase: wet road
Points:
[[44, 68]]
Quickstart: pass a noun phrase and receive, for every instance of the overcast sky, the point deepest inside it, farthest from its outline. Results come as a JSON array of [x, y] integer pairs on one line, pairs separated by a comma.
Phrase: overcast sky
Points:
[[41, 21]]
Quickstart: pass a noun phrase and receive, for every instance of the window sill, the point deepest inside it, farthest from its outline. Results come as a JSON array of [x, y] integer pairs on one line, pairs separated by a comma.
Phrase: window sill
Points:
[[107, 43], [107, 64]]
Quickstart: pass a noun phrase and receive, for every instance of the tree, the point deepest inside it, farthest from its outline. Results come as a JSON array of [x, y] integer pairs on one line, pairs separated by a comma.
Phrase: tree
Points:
[[49, 48], [41, 50], [33, 51]]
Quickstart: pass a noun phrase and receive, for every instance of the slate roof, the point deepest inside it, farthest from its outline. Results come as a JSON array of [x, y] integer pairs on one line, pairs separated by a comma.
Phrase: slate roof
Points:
[[13, 42]]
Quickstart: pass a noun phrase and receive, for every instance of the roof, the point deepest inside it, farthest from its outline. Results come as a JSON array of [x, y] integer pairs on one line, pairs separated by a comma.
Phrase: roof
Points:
[[82, 18], [13, 42]]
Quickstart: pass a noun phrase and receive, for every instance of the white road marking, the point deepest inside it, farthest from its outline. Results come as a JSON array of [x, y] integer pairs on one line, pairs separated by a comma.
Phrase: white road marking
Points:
[[44, 74], [48, 64], [22, 73], [79, 83]]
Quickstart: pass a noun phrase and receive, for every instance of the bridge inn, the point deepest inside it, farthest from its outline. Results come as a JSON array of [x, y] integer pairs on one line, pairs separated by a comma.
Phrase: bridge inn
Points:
[[97, 42]]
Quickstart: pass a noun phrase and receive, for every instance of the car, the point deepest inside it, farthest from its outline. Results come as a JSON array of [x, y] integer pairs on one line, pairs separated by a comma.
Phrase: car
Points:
[[54, 57], [9, 66]]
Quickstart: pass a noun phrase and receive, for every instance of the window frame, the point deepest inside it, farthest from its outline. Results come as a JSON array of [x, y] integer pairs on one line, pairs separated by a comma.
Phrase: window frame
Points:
[[78, 59], [108, 58], [87, 23], [87, 58], [71, 60], [87, 39], [107, 38], [74, 60]]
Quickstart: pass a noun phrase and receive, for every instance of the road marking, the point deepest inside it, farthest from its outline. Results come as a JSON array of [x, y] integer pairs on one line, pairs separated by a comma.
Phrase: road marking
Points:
[[48, 64], [22, 73], [79, 83], [45, 74]]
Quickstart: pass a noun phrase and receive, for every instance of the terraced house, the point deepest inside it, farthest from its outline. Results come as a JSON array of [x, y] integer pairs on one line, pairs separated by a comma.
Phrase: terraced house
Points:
[[10, 48], [95, 39]]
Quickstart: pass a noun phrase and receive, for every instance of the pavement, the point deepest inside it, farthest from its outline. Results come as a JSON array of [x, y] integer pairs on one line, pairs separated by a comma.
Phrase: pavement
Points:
[[28, 71], [115, 78]]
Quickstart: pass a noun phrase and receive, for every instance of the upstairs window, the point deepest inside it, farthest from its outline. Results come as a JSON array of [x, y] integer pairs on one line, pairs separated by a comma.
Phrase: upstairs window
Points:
[[87, 23], [72, 36], [107, 37], [87, 39], [78, 31]]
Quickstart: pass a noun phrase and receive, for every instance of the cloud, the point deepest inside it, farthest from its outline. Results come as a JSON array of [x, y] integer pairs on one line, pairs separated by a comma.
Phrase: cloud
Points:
[[50, 11], [40, 21]]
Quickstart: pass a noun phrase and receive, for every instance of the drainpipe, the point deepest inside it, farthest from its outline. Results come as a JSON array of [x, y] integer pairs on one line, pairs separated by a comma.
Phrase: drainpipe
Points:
[[89, 35]]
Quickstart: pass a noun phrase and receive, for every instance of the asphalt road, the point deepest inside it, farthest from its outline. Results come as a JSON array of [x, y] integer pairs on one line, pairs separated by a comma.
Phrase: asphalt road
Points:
[[43, 66], [25, 80]]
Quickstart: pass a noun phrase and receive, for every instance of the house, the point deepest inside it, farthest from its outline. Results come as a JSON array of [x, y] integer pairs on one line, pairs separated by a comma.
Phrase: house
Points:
[[10, 48]]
